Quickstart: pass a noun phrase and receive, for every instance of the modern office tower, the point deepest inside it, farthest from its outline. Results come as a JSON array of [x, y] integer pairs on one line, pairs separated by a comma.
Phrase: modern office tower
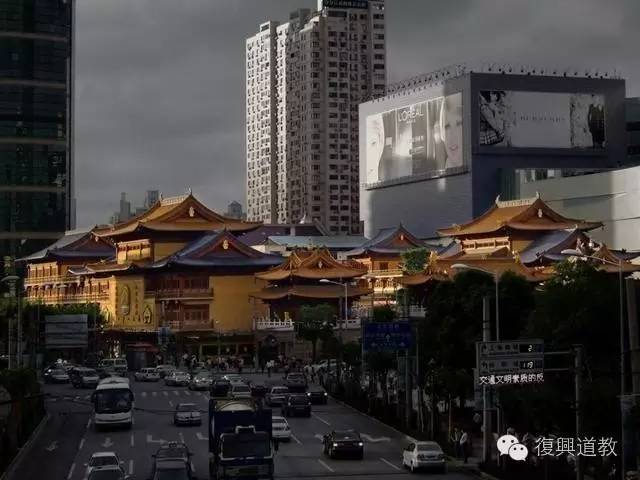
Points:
[[36, 124], [151, 198], [234, 210], [305, 80]]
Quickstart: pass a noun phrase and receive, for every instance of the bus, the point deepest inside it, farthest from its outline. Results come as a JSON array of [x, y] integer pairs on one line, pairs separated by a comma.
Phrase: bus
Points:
[[113, 404]]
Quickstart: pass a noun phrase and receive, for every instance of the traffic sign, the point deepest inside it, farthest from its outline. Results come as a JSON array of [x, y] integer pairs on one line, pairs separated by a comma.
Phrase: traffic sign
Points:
[[515, 361], [387, 336]]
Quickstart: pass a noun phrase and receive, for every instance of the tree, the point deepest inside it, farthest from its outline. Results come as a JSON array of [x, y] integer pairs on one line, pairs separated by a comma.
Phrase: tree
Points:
[[414, 260], [383, 313], [315, 323]]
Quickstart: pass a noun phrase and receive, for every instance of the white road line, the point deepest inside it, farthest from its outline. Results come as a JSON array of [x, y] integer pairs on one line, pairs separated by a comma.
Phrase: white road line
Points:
[[81, 444], [130, 467], [132, 441], [176, 393], [193, 468], [133, 422], [170, 403], [321, 419], [391, 464], [187, 393], [88, 423], [296, 439], [166, 394], [154, 394], [326, 466], [144, 394], [73, 467], [199, 394], [76, 398], [181, 437]]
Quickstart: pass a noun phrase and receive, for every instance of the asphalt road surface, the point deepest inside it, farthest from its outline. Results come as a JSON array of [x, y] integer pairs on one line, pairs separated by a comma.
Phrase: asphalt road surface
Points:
[[69, 438]]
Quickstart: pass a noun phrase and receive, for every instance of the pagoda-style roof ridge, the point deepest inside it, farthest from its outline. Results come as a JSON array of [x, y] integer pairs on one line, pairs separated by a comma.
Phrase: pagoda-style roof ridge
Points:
[[181, 213], [216, 241], [389, 240], [79, 243], [525, 214], [313, 264]]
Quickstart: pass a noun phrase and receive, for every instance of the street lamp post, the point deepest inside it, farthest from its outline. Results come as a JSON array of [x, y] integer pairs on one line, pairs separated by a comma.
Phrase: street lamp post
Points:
[[346, 314], [576, 253], [13, 279]]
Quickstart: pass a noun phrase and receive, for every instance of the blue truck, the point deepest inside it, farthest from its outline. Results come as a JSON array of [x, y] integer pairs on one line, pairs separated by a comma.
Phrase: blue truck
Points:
[[240, 445]]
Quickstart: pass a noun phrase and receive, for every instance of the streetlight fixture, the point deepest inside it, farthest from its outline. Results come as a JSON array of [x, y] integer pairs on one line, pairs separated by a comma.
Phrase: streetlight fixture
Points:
[[578, 254], [13, 279], [346, 314], [496, 278]]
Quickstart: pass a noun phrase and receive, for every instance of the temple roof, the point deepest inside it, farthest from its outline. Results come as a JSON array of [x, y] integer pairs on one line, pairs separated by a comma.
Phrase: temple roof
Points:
[[393, 240], [332, 242], [75, 245], [315, 265], [177, 214], [261, 234], [310, 291], [219, 249], [529, 214]]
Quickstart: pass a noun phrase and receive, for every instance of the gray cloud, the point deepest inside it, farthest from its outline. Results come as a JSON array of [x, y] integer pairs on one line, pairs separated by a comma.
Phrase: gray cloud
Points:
[[160, 83]]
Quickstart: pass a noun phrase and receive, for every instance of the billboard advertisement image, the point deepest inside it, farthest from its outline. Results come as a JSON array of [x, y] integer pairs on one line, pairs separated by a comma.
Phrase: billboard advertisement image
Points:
[[420, 138], [541, 120]]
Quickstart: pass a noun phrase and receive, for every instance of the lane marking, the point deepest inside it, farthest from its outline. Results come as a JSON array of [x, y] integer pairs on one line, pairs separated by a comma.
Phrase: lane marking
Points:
[[326, 466], [296, 439], [176, 393], [133, 421], [187, 393], [130, 467], [166, 394], [81, 444], [199, 436], [319, 437], [132, 442], [371, 439], [321, 419], [76, 398], [181, 437], [170, 403], [193, 468], [144, 394], [154, 394], [391, 464], [73, 467], [88, 423], [199, 394]]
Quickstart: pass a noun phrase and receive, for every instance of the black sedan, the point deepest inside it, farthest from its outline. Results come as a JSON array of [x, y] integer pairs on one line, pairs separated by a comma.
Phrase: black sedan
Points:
[[56, 375], [296, 382], [258, 390], [296, 404], [317, 395], [343, 443], [220, 388]]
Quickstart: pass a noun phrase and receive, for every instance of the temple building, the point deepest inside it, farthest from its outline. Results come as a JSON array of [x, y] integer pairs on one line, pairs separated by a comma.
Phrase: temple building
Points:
[[308, 277], [178, 265], [523, 236]]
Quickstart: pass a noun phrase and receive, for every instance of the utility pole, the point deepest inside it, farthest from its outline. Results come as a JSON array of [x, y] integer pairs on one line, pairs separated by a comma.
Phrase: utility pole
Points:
[[408, 389], [577, 363], [634, 354], [486, 417]]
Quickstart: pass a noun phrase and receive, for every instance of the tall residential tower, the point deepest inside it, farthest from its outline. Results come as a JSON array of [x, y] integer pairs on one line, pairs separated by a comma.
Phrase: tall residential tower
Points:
[[305, 80], [36, 124]]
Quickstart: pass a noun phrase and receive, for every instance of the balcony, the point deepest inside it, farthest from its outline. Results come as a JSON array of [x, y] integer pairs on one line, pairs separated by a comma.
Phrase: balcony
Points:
[[265, 323], [70, 298], [180, 293], [50, 279], [395, 272]]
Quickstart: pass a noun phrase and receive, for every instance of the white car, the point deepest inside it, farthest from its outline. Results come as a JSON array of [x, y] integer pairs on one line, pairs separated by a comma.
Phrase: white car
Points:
[[425, 455], [177, 378], [147, 375], [101, 460], [280, 428], [108, 380], [187, 414], [240, 390], [233, 378]]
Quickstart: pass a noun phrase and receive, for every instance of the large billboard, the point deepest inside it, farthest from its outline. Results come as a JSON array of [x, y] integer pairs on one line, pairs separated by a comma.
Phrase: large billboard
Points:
[[541, 120], [420, 138], [66, 331]]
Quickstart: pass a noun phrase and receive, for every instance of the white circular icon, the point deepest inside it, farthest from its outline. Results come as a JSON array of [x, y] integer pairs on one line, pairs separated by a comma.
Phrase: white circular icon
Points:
[[505, 442], [518, 452]]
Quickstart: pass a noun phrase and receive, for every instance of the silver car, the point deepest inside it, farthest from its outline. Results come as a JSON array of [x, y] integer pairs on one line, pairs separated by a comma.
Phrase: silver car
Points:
[[276, 396], [187, 414], [177, 378], [240, 390]]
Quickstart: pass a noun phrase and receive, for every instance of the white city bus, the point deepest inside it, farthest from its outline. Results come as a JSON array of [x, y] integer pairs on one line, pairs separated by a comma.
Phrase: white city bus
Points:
[[113, 404]]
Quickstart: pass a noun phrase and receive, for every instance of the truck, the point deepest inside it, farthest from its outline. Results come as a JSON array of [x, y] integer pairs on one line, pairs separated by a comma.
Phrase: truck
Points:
[[240, 439]]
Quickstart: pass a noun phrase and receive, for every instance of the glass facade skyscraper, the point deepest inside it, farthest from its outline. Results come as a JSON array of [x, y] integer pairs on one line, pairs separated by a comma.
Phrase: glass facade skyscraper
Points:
[[36, 128]]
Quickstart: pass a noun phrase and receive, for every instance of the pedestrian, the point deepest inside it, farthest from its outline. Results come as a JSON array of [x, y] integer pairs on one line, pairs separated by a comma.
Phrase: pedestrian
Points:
[[465, 445], [269, 364], [240, 362], [455, 440]]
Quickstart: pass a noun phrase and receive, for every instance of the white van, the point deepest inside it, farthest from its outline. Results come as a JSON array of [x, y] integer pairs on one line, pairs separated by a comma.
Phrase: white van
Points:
[[118, 365]]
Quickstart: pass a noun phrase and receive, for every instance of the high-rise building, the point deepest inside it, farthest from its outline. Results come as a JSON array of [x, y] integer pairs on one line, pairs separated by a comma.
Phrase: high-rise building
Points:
[[305, 79], [151, 198], [36, 124], [234, 210]]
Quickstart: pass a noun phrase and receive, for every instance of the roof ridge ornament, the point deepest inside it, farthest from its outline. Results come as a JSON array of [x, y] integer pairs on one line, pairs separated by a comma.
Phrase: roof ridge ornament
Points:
[[522, 202]]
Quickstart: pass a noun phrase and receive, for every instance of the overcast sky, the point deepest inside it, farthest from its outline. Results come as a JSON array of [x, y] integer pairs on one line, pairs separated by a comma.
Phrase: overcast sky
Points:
[[160, 83]]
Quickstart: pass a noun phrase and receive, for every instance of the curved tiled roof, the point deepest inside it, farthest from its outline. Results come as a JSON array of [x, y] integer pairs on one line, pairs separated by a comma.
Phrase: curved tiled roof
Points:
[[309, 291], [314, 265]]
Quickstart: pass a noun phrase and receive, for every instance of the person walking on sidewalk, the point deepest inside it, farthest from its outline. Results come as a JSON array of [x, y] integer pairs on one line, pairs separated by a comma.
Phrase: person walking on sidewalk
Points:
[[455, 440], [465, 445]]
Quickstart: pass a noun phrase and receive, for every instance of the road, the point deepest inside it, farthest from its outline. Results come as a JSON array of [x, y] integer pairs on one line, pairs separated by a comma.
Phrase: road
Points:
[[69, 439]]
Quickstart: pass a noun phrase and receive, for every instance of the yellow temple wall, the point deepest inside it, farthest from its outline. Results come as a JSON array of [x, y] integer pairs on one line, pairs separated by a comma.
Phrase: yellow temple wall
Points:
[[128, 303], [162, 250], [232, 307]]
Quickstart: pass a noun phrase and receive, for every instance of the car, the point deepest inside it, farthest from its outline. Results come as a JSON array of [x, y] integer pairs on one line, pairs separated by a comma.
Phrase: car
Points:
[[165, 369], [82, 377], [147, 375], [296, 382], [296, 404], [277, 395], [114, 379], [240, 390], [220, 388], [258, 390], [343, 443], [108, 473], [172, 461], [201, 381], [100, 460], [177, 378], [317, 395], [233, 377], [56, 375], [280, 428], [187, 414], [423, 455], [118, 364]]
